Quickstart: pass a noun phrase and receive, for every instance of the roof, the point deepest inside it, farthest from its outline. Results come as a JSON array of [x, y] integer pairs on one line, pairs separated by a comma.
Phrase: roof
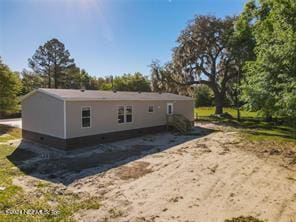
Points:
[[86, 95]]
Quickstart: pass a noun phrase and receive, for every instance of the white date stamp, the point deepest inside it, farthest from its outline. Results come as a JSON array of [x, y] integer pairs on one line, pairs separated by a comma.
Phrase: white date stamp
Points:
[[30, 212]]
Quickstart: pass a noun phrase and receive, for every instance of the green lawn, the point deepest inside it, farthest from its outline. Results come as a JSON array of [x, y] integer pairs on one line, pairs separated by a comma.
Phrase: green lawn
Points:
[[13, 197], [9, 133], [252, 126], [208, 111]]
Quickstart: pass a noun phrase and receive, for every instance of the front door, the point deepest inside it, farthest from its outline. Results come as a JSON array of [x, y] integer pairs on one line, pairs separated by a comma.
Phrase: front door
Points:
[[170, 108]]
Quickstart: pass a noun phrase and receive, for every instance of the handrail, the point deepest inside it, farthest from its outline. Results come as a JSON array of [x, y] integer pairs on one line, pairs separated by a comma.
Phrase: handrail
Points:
[[179, 122]]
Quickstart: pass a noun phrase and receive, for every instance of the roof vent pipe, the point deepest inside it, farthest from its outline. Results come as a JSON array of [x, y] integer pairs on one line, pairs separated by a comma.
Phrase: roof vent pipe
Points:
[[82, 90]]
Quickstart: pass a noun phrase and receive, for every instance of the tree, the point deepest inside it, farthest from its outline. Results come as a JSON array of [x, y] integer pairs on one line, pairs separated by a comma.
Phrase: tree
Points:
[[203, 96], [9, 89], [203, 56], [132, 82], [51, 60], [162, 80], [30, 81], [242, 45], [71, 78], [88, 82], [270, 84]]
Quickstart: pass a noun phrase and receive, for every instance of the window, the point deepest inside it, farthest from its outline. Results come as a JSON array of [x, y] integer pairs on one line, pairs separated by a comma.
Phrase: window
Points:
[[125, 114], [85, 117], [169, 108], [151, 109], [120, 114], [129, 114]]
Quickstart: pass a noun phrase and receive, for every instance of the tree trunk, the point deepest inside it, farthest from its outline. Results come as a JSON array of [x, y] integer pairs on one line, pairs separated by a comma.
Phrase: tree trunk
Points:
[[55, 82], [238, 114], [55, 79], [49, 78], [268, 118], [219, 103], [237, 105], [237, 92], [49, 81]]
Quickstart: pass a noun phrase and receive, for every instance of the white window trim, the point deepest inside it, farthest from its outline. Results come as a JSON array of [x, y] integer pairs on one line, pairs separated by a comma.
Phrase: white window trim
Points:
[[152, 110], [170, 104], [117, 119], [124, 114], [65, 121], [132, 114], [90, 119]]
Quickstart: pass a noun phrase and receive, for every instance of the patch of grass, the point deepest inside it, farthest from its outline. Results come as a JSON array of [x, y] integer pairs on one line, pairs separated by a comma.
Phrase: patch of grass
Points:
[[12, 132], [208, 111], [42, 184], [7, 170], [137, 170], [244, 219], [6, 137], [69, 204], [267, 135], [15, 198], [114, 213], [251, 125], [266, 131]]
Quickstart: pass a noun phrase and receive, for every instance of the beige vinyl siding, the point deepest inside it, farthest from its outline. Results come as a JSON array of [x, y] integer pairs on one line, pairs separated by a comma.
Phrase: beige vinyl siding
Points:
[[43, 114], [186, 108], [104, 115]]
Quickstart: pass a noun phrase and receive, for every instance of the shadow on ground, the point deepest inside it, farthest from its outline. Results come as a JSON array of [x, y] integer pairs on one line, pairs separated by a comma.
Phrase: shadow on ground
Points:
[[65, 168]]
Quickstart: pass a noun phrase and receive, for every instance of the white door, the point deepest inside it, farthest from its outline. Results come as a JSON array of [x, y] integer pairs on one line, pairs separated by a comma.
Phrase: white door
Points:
[[170, 108]]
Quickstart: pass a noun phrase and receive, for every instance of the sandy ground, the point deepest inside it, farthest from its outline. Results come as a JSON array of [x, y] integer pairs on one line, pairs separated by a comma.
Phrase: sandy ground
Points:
[[209, 177]]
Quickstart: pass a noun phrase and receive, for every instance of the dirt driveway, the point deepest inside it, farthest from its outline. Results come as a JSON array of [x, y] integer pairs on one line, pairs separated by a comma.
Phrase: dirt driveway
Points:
[[212, 177], [12, 122]]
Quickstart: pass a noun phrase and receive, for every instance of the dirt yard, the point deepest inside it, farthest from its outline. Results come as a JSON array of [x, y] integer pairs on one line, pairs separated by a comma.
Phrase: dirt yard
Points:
[[211, 175]]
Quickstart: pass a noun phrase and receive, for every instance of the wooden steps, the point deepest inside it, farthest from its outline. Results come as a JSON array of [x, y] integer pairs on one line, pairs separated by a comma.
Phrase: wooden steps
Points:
[[179, 122]]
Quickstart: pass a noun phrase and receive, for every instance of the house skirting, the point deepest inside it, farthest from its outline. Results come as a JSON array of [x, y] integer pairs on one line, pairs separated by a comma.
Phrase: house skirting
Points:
[[85, 141]]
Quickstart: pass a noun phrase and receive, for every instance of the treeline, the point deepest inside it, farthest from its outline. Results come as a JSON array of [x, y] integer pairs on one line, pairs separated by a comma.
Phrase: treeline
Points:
[[52, 67], [80, 79]]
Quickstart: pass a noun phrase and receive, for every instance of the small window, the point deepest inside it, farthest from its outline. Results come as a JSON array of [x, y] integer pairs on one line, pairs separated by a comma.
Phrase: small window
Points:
[[170, 109], [120, 114], [151, 109], [85, 117], [129, 114]]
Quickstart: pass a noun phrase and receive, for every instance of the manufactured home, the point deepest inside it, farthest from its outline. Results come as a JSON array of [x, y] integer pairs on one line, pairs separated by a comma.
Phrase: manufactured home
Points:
[[67, 118]]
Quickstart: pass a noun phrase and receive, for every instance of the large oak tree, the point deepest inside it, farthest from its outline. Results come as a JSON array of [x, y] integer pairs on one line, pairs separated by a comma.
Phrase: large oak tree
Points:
[[203, 56]]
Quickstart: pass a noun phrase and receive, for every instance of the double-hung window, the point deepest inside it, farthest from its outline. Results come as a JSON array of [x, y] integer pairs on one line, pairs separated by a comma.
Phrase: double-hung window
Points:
[[125, 114], [150, 108], [85, 117], [128, 114], [121, 114]]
